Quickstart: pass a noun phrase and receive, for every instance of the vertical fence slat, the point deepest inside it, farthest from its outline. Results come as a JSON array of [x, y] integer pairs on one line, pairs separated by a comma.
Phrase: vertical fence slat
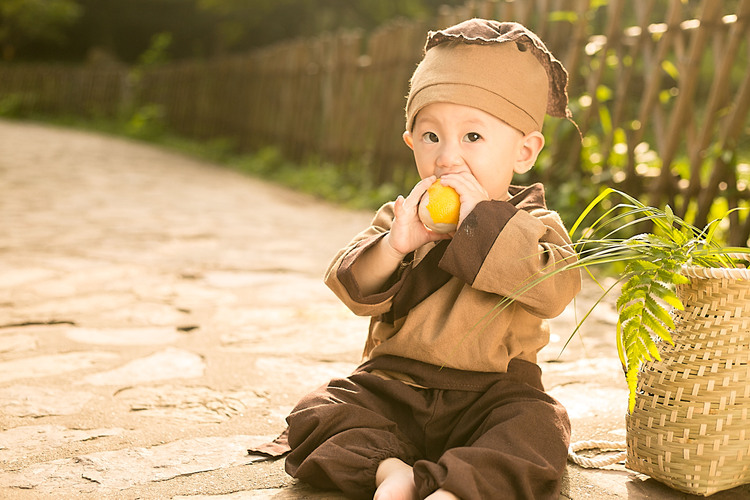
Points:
[[684, 104], [726, 58]]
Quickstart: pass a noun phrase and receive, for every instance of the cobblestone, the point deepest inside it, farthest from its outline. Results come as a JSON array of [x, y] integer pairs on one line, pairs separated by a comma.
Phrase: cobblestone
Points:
[[158, 315]]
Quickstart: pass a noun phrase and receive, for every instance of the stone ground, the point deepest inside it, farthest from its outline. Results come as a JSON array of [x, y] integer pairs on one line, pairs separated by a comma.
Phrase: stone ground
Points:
[[158, 315]]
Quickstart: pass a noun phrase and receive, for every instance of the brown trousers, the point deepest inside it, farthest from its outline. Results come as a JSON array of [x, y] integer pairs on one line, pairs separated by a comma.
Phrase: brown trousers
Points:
[[481, 436]]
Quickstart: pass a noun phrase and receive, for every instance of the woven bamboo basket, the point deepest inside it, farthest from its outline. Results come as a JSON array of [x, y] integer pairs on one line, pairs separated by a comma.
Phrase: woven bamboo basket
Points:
[[690, 428]]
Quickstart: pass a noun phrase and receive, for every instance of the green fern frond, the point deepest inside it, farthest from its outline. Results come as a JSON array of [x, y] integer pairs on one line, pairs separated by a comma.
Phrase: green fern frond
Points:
[[652, 271]]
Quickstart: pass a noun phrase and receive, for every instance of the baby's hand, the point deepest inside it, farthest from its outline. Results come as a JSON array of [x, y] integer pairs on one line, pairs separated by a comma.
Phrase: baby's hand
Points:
[[408, 233], [470, 192]]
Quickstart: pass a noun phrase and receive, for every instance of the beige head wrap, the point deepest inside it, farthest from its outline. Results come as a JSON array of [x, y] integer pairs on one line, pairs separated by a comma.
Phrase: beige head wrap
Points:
[[501, 68]]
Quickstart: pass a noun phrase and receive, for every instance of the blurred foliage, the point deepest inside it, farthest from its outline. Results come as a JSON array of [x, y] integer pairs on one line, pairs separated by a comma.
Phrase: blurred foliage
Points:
[[158, 50], [319, 178], [23, 22], [146, 122], [123, 29]]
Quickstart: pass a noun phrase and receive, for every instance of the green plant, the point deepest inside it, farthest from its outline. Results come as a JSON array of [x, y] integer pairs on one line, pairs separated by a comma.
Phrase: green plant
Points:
[[16, 105], [147, 122], [344, 184], [651, 263]]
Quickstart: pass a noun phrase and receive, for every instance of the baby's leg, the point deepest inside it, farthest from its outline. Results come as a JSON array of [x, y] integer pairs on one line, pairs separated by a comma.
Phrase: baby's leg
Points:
[[395, 481], [341, 433], [518, 450]]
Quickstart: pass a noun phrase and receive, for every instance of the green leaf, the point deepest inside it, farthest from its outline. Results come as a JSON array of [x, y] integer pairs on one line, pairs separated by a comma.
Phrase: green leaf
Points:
[[602, 196], [632, 312], [659, 312], [620, 346], [667, 295], [656, 327], [649, 348], [642, 266], [631, 377], [603, 93], [671, 277], [570, 16], [670, 69]]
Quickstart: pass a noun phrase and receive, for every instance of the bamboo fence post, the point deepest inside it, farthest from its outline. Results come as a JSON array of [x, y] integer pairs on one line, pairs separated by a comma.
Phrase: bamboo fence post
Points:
[[646, 9], [717, 98], [612, 36], [572, 56], [730, 134], [650, 95], [625, 69], [542, 19], [683, 106], [303, 105], [507, 11]]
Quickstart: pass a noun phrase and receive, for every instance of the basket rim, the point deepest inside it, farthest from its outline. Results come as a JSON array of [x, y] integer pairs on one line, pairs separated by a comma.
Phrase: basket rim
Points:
[[729, 273]]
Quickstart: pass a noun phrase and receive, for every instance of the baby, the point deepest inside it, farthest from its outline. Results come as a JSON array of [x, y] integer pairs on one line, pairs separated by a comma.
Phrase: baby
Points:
[[448, 402]]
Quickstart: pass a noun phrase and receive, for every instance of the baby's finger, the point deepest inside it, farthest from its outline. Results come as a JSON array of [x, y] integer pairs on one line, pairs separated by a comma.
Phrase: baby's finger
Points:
[[412, 201], [467, 188], [462, 180], [399, 203]]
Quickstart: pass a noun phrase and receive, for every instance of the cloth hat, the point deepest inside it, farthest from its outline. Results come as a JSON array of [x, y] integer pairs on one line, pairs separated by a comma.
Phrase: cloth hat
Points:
[[501, 68]]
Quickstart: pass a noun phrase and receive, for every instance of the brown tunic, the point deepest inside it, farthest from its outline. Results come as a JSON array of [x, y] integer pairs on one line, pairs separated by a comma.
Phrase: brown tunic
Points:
[[443, 306]]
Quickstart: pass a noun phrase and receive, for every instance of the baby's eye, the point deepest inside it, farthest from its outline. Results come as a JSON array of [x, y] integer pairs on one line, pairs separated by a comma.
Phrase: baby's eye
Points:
[[430, 137], [472, 137]]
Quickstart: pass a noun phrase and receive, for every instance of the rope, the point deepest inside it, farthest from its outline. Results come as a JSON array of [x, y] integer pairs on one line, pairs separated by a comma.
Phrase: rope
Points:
[[597, 462]]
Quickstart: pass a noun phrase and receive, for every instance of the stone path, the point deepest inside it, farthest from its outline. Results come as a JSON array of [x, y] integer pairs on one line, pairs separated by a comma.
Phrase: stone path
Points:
[[158, 315]]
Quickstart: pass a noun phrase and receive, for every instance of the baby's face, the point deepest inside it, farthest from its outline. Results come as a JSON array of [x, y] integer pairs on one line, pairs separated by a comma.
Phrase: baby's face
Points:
[[452, 138]]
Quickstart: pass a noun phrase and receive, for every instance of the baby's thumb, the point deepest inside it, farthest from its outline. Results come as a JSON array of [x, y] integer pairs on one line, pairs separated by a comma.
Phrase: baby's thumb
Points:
[[399, 203]]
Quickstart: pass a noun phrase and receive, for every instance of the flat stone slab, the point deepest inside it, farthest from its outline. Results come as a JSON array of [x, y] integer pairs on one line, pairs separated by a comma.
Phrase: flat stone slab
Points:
[[194, 404], [109, 471], [166, 364], [17, 442], [33, 401], [154, 335], [52, 364], [298, 491], [17, 343]]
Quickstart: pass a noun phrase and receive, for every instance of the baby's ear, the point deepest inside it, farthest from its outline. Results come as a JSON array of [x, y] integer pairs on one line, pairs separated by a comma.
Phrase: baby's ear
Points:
[[530, 146], [409, 139]]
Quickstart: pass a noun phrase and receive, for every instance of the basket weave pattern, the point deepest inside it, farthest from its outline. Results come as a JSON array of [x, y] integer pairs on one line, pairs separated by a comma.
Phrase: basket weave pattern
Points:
[[690, 428]]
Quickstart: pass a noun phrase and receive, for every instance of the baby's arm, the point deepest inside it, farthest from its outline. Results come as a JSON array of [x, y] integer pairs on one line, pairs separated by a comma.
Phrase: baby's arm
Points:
[[373, 267], [503, 259]]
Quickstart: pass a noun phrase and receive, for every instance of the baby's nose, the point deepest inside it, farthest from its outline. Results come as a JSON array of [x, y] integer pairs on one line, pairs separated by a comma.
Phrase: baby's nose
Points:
[[449, 156]]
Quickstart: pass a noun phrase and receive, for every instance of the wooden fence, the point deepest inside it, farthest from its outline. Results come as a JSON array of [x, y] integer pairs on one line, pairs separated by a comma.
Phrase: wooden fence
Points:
[[659, 88]]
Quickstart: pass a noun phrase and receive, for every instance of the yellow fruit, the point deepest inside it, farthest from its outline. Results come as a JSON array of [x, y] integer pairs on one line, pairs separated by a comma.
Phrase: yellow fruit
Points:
[[439, 208]]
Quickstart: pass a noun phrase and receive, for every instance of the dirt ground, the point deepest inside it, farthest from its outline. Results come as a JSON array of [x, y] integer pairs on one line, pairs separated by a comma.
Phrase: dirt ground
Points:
[[159, 314]]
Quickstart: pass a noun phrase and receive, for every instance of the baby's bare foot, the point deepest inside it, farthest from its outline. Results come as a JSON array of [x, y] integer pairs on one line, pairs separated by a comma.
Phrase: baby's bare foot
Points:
[[395, 481], [442, 495]]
